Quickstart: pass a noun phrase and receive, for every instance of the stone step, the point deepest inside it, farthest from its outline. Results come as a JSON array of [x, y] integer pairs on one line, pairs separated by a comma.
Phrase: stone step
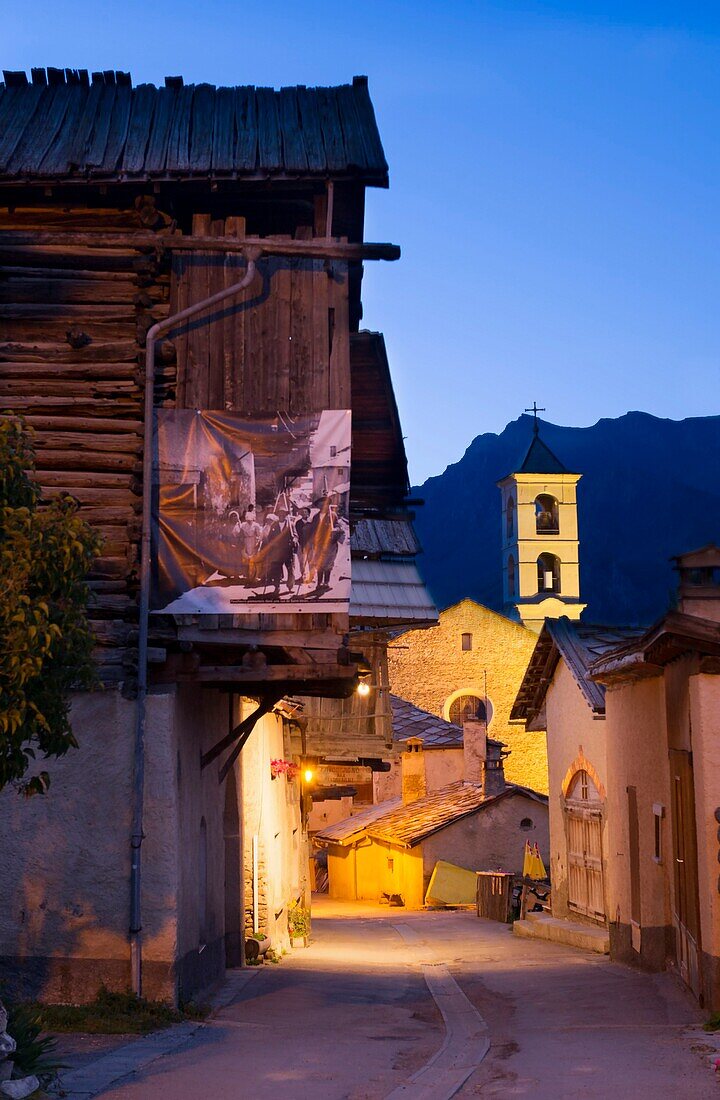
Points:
[[540, 926]]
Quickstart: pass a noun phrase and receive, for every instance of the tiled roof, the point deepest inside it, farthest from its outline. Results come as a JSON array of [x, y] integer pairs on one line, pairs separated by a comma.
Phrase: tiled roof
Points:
[[65, 127], [390, 593], [579, 644], [412, 822], [411, 721], [342, 832]]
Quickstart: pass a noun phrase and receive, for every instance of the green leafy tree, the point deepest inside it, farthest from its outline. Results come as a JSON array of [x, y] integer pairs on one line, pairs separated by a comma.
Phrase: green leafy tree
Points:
[[45, 641]]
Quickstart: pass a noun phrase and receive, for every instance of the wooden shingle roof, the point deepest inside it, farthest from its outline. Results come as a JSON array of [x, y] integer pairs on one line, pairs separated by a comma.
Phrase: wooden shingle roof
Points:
[[412, 822], [66, 126]]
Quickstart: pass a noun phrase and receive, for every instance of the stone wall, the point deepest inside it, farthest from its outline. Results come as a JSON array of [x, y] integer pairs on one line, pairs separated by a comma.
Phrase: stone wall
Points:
[[64, 906], [429, 667], [271, 815]]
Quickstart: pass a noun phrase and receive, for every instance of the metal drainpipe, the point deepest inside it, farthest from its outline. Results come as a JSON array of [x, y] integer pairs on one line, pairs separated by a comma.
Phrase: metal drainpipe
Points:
[[139, 752]]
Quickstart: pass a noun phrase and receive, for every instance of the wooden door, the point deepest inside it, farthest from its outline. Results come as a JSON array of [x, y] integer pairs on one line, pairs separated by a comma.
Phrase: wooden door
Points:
[[586, 892], [686, 912]]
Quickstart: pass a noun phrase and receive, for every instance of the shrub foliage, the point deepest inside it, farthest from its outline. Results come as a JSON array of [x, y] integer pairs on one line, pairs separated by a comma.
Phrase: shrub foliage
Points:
[[45, 640]]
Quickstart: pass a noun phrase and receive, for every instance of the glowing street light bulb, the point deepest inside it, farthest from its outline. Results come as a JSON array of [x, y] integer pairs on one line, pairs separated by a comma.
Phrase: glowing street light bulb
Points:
[[308, 774], [363, 688]]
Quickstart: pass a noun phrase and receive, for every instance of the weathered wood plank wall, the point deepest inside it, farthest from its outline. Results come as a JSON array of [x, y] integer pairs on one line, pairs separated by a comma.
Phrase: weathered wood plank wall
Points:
[[283, 345], [72, 335]]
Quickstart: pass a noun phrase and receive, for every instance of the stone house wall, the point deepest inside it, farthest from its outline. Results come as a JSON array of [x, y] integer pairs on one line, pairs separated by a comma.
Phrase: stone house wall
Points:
[[429, 667]]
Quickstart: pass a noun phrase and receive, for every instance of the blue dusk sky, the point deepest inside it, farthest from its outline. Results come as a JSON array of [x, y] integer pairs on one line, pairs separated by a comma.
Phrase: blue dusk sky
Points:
[[554, 185]]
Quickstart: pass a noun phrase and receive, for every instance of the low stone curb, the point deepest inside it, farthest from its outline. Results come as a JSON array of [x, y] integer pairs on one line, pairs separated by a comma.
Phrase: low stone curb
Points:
[[97, 1076], [466, 1034]]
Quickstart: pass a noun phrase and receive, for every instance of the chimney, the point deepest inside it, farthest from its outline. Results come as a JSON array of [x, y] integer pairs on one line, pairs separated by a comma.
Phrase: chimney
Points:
[[474, 750], [699, 588], [494, 778], [413, 770]]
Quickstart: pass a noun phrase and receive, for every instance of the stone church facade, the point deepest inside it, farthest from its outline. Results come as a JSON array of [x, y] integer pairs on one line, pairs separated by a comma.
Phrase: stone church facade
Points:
[[471, 664]]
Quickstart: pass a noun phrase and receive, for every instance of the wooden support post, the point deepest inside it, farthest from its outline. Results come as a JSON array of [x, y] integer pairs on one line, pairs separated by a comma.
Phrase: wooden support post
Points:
[[266, 705]]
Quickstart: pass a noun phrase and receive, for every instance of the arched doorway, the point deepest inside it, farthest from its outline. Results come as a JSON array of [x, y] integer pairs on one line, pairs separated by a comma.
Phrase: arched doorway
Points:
[[233, 870], [583, 830]]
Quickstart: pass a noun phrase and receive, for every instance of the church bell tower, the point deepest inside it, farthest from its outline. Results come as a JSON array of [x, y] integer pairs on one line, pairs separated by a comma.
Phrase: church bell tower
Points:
[[541, 577]]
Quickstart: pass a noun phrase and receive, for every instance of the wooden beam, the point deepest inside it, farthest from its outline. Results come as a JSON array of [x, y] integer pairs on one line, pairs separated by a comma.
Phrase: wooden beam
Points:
[[313, 640], [290, 674], [322, 248], [246, 726], [266, 704]]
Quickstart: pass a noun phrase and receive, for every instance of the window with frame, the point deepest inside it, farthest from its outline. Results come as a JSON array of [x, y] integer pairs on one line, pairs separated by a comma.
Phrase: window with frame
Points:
[[467, 708], [466, 642], [658, 814]]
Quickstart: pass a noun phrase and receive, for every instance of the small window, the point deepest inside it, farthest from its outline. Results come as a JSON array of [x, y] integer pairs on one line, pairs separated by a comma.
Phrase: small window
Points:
[[510, 518], [582, 788], [202, 881], [511, 577], [333, 452], [526, 824], [466, 641], [391, 865], [658, 814]]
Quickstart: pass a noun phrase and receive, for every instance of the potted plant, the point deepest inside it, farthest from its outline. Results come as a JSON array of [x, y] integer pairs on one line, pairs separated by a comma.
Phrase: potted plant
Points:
[[256, 946], [299, 925]]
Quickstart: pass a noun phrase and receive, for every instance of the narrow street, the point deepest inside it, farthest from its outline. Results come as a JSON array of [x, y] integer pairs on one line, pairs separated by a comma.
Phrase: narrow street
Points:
[[352, 1018]]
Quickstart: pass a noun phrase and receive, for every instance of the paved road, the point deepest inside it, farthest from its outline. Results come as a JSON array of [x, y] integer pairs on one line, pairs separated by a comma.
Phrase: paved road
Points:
[[351, 1018]]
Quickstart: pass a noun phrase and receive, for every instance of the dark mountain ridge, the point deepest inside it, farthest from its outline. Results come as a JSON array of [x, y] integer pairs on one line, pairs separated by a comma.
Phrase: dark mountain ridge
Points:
[[650, 489]]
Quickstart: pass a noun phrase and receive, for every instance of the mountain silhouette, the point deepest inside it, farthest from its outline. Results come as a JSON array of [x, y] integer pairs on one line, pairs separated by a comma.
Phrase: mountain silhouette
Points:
[[650, 489]]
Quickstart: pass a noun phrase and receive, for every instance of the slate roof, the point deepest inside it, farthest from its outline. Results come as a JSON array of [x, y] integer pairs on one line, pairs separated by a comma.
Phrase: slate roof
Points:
[[580, 645], [411, 721], [540, 460], [673, 636], [67, 126], [342, 832], [412, 822], [390, 593]]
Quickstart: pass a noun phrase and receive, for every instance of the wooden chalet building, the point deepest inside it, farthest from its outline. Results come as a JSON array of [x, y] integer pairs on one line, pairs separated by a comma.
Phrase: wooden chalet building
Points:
[[121, 207]]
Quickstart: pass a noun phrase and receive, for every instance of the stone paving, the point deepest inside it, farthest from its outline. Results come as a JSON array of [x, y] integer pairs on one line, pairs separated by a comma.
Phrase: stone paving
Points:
[[355, 1016]]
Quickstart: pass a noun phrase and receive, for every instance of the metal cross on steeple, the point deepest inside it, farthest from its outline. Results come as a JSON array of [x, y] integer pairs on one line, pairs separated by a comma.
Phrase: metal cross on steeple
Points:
[[535, 410]]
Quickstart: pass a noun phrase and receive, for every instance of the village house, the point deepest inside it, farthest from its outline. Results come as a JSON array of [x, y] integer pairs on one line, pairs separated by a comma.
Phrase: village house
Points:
[[635, 797], [557, 695], [479, 822], [185, 263], [663, 709]]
